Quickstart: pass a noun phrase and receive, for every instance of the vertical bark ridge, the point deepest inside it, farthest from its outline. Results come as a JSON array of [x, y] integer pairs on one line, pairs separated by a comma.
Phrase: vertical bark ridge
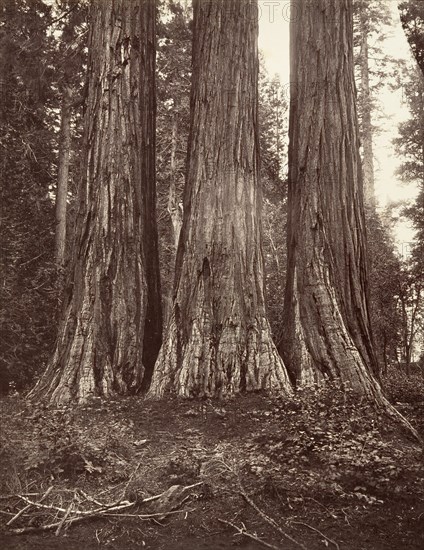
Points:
[[327, 327], [218, 341], [111, 318]]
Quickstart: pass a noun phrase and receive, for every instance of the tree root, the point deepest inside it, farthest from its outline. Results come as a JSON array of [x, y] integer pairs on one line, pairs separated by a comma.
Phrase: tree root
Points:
[[398, 417]]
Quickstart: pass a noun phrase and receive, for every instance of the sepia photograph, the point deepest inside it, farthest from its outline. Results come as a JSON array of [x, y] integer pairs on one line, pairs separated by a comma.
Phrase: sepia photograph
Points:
[[212, 274]]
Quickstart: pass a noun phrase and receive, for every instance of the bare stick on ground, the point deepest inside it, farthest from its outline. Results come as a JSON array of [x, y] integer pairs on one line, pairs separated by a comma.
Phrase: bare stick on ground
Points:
[[167, 502], [317, 531], [242, 531]]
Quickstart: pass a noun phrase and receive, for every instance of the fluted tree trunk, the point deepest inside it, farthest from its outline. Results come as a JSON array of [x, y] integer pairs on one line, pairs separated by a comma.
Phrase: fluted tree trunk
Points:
[[110, 330], [327, 333], [326, 321], [218, 341]]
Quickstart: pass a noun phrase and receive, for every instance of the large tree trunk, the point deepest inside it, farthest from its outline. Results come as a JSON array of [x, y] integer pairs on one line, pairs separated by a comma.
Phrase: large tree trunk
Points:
[[327, 327], [218, 341], [111, 319], [63, 175]]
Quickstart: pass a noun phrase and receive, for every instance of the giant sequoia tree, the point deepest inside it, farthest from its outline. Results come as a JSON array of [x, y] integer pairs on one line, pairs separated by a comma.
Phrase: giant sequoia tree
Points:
[[111, 324], [327, 328], [218, 340]]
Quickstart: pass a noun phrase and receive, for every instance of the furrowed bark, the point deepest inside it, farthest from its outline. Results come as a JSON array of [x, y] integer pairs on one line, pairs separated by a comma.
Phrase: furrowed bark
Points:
[[111, 317], [327, 333], [218, 341], [327, 326]]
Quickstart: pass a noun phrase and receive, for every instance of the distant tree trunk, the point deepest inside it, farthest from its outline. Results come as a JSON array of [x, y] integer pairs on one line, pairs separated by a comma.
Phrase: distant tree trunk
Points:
[[409, 304], [367, 132], [327, 327], [218, 341], [405, 334], [410, 337], [385, 359], [63, 175], [111, 319], [173, 206]]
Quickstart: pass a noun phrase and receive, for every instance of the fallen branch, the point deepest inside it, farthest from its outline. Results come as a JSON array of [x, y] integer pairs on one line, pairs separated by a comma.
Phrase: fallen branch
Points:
[[325, 507], [65, 517], [246, 497], [157, 497], [269, 520], [317, 531], [7, 497], [149, 516], [19, 514], [89, 498], [119, 505], [48, 527], [174, 496], [242, 531]]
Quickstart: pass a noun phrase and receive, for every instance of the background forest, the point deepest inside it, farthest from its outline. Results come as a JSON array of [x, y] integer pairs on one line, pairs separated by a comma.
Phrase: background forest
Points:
[[319, 467]]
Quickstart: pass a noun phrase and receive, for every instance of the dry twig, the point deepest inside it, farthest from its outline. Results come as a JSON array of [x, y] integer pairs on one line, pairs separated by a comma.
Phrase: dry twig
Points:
[[119, 505], [65, 517], [49, 526], [71, 514], [317, 531], [19, 514], [150, 516], [268, 519], [242, 531], [8, 497]]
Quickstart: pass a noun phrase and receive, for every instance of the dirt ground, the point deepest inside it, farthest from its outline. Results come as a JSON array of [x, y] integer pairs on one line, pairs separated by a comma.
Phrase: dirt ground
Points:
[[330, 473]]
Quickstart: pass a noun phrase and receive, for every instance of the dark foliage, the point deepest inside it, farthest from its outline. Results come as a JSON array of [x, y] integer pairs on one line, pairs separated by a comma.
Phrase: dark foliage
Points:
[[412, 17], [28, 294], [36, 64]]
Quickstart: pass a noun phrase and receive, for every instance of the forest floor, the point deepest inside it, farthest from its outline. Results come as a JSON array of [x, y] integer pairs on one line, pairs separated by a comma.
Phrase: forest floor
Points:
[[318, 471]]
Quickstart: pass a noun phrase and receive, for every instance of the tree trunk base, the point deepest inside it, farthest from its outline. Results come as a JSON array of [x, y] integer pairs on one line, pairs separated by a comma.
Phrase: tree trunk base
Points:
[[237, 360], [82, 367]]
